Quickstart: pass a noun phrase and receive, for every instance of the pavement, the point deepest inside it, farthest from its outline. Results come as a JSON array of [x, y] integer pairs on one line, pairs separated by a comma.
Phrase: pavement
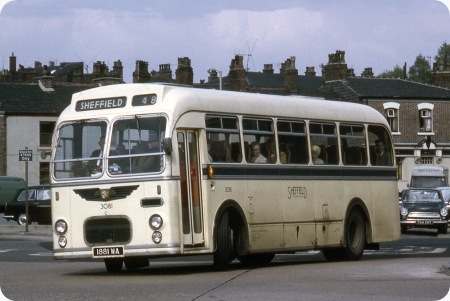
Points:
[[12, 229]]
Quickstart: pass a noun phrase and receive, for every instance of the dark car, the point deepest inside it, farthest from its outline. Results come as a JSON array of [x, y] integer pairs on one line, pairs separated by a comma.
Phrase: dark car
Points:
[[39, 206], [425, 208]]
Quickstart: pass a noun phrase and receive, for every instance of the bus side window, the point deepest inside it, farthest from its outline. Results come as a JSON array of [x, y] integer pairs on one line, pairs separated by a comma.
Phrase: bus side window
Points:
[[292, 141], [324, 135], [381, 152]]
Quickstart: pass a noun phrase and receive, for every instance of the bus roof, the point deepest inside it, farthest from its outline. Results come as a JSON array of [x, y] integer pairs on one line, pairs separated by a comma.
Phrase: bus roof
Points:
[[176, 99]]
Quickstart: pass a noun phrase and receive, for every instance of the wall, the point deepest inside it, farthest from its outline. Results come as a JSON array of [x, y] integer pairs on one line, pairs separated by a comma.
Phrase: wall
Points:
[[22, 132]]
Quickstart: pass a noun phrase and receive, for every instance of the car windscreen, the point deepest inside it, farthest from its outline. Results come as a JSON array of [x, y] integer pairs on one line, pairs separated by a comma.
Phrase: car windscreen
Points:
[[422, 196]]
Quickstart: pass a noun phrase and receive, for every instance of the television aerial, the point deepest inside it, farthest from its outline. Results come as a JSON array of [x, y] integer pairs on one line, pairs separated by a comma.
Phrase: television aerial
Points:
[[87, 65]]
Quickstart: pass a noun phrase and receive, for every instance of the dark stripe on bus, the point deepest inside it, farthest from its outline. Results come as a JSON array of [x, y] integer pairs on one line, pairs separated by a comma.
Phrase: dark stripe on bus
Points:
[[277, 172]]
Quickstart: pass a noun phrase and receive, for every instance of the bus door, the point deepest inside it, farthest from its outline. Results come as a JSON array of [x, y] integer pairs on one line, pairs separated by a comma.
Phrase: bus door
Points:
[[191, 202]]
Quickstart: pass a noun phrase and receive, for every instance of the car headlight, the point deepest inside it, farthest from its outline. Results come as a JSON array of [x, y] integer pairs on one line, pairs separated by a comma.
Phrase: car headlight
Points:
[[61, 227], [403, 211], [444, 212], [156, 221]]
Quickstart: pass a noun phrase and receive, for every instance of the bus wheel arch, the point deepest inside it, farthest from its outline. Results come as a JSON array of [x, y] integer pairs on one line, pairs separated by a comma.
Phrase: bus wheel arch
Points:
[[230, 234]]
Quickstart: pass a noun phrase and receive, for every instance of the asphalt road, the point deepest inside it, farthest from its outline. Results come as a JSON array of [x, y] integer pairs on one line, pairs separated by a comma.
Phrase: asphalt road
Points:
[[414, 268]]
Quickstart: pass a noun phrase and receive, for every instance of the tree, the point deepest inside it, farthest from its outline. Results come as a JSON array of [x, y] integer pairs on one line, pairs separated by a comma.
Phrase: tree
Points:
[[397, 72], [420, 71], [442, 56]]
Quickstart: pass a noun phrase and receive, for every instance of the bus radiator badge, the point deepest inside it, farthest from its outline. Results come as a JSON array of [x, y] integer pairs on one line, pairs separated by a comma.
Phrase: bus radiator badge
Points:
[[104, 194]]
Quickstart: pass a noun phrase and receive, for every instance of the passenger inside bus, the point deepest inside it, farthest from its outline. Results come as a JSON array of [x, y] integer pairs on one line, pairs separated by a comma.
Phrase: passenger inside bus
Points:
[[272, 153], [95, 165], [315, 152], [256, 156], [146, 162], [383, 157]]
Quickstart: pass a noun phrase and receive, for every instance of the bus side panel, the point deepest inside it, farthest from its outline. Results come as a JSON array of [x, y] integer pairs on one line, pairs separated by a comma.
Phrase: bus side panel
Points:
[[298, 214], [328, 211], [265, 216], [385, 217]]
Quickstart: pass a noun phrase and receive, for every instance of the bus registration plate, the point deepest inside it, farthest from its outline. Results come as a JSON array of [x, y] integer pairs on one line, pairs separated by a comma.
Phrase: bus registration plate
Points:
[[101, 252]]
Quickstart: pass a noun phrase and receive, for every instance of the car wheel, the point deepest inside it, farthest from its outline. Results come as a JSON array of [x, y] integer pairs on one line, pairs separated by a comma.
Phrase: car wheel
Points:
[[22, 219]]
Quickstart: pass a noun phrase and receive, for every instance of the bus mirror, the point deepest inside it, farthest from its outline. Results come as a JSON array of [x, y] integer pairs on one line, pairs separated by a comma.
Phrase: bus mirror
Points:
[[167, 145]]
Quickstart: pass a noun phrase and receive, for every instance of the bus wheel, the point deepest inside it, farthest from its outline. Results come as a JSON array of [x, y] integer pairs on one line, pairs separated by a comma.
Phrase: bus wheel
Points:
[[355, 235], [113, 265], [255, 260], [224, 253]]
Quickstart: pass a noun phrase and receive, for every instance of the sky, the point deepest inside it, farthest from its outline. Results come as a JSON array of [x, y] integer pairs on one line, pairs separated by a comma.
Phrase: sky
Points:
[[373, 33]]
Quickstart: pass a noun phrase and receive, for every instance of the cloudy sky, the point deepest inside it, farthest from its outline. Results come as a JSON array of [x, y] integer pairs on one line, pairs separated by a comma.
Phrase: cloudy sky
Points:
[[373, 33]]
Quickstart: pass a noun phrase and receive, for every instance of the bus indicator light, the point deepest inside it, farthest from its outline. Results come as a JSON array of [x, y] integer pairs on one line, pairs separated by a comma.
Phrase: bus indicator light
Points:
[[210, 171]]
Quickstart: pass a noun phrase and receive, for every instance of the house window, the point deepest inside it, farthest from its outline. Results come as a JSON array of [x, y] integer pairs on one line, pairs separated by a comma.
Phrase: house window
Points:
[[426, 124], [44, 173], [45, 133], [391, 110], [425, 117]]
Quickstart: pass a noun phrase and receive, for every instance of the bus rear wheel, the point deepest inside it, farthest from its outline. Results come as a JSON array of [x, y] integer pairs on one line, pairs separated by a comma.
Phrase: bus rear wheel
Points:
[[355, 239], [355, 235], [113, 265], [225, 252]]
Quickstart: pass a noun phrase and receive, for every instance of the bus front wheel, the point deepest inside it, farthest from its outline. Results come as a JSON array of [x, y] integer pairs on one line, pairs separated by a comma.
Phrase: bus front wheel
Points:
[[224, 253]]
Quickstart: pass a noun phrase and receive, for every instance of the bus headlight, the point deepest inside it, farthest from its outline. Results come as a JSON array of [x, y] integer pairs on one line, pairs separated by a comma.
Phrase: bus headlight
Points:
[[61, 227], [403, 211], [62, 241], [156, 221], [444, 212], [156, 237]]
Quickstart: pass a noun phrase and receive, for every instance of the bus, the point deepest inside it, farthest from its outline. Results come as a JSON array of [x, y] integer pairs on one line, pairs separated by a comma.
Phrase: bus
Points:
[[141, 171]]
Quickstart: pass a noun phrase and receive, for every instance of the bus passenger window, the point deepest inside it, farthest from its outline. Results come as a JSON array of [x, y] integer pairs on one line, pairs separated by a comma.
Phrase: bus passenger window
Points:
[[324, 135], [292, 142], [353, 144], [380, 146], [223, 139]]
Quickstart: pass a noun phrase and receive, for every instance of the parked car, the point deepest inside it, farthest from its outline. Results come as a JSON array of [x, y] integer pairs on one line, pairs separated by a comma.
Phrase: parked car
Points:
[[425, 208], [9, 186], [39, 206]]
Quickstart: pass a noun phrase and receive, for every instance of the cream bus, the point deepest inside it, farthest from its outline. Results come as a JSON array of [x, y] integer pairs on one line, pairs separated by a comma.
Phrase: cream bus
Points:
[[150, 170]]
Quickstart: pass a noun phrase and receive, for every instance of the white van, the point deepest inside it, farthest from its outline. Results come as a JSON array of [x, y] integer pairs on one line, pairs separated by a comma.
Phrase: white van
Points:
[[429, 176]]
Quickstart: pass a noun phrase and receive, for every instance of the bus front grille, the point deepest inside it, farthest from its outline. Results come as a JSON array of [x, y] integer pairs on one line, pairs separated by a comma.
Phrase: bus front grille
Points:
[[110, 230]]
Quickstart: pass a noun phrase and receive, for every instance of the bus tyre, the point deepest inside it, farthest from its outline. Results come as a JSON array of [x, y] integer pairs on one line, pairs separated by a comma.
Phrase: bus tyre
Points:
[[113, 265], [224, 247], [443, 229], [355, 235]]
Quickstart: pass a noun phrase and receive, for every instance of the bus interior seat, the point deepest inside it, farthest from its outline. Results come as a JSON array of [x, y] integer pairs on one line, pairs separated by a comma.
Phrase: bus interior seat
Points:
[[235, 152], [219, 150]]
